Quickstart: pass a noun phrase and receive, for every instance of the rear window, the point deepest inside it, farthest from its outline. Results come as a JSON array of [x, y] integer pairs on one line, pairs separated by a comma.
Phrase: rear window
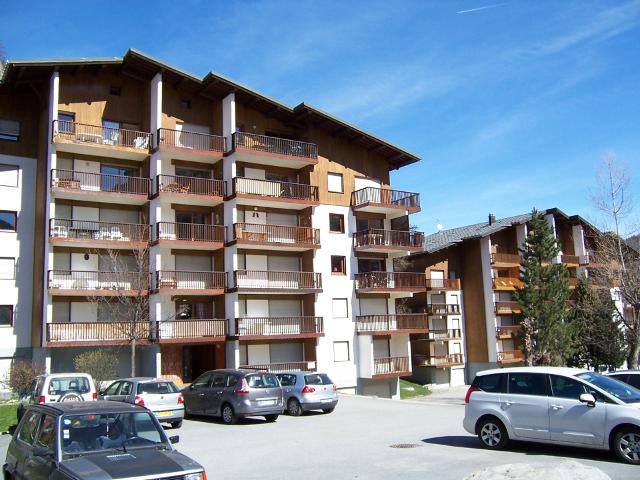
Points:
[[157, 388], [489, 383], [266, 380], [60, 386], [317, 379]]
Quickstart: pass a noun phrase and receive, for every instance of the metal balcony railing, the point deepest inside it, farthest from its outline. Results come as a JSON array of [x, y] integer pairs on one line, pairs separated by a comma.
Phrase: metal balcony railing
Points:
[[387, 197], [192, 232], [206, 187], [279, 326], [385, 323], [389, 280], [101, 231], [283, 234], [100, 135], [274, 145], [270, 188], [192, 140], [388, 238], [99, 182], [182, 280], [260, 279]]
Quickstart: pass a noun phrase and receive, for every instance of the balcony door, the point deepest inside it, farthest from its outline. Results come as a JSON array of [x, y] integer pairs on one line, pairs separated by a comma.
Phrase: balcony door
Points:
[[188, 137], [193, 310]]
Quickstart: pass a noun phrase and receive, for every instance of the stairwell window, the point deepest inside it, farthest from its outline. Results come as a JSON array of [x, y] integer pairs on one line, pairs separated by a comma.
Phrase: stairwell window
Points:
[[340, 351], [338, 266], [336, 223], [9, 130], [8, 221], [6, 315], [9, 175], [7, 268], [335, 183], [340, 308]]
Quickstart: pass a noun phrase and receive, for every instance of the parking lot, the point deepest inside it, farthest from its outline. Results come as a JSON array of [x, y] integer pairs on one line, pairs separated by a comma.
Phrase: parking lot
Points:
[[355, 442]]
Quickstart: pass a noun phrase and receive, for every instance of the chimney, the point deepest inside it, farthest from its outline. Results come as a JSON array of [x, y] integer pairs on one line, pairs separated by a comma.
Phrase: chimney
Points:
[[492, 219]]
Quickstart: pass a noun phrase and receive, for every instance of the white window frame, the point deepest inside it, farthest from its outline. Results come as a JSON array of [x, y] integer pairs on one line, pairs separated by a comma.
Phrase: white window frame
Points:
[[340, 358], [10, 273], [331, 186], [5, 168], [346, 307], [9, 130]]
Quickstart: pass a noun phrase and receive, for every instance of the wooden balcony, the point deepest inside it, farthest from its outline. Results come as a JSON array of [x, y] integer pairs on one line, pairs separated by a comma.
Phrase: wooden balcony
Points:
[[261, 281], [282, 152], [308, 366], [99, 140], [259, 328], [193, 236], [506, 332], [88, 234], [388, 367], [505, 260], [382, 241], [392, 324], [392, 203], [441, 285], [509, 284], [71, 334], [268, 193], [389, 282], [573, 282], [88, 284], [190, 190], [444, 335], [507, 308], [99, 187], [190, 146], [189, 283], [443, 309], [281, 237], [511, 356], [438, 361], [571, 260], [192, 331]]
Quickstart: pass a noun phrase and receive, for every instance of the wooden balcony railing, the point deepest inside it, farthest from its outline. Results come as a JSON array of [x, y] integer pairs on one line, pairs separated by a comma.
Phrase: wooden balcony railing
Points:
[[79, 332], [191, 140], [192, 328], [281, 234], [507, 308], [191, 232], [275, 145], [387, 197], [97, 281], [387, 238], [258, 279], [207, 187], [278, 326], [101, 135], [507, 331], [390, 323], [308, 366], [570, 259], [389, 280], [505, 258], [443, 361], [101, 231], [442, 283], [181, 280], [270, 188], [443, 309], [507, 283], [99, 182], [573, 282], [445, 334], [386, 365], [511, 356]]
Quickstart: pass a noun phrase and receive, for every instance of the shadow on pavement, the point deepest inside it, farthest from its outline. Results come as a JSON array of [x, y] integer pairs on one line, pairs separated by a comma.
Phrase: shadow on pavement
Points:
[[218, 420]]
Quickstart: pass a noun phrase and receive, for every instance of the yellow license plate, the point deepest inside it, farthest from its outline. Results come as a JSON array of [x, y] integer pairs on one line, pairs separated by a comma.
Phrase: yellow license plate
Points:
[[163, 414]]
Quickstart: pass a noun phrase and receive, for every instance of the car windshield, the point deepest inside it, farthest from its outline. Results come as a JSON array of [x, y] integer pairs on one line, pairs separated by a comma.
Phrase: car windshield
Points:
[[99, 432], [157, 388], [60, 386], [618, 389]]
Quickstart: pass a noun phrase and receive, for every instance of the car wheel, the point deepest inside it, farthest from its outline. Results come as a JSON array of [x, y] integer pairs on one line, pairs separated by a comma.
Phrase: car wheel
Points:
[[626, 444], [493, 434], [228, 415], [294, 408], [271, 418], [177, 424], [328, 410], [71, 397]]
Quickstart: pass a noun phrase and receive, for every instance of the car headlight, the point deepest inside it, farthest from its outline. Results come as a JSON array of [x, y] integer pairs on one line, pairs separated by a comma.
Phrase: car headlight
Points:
[[195, 476]]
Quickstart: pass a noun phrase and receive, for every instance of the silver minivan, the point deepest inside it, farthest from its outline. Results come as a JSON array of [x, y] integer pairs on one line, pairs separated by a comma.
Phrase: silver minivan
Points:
[[304, 391]]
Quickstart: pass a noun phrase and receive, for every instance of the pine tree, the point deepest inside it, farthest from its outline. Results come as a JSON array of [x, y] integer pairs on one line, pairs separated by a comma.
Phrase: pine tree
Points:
[[547, 338]]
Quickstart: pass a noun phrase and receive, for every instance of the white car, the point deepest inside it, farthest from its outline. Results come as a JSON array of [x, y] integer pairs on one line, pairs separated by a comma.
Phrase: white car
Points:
[[562, 406]]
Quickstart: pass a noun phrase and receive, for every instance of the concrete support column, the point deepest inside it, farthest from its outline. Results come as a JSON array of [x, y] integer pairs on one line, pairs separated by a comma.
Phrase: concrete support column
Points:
[[229, 118], [487, 287], [155, 117]]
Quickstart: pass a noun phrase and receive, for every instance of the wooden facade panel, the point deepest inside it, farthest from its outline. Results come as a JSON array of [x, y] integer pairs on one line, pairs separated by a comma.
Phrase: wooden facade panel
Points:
[[25, 109], [200, 110], [474, 312]]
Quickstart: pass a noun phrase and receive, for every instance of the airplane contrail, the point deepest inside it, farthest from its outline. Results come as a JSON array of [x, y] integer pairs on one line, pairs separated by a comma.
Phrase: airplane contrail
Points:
[[483, 8]]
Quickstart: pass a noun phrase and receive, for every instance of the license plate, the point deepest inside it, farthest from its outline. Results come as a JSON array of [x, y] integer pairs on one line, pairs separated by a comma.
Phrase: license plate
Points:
[[266, 402], [164, 413], [326, 400]]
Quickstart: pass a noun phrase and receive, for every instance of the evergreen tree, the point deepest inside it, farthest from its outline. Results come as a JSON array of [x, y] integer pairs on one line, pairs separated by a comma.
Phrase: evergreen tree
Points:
[[547, 338]]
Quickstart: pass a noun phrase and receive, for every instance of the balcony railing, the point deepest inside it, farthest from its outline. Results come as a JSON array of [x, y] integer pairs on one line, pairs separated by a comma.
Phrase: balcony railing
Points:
[[507, 308], [308, 366], [570, 259], [390, 365], [191, 140], [100, 231], [259, 279], [275, 145], [206, 187], [387, 238], [505, 258], [98, 281], [511, 356], [442, 283], [100, 135], [389, 280], [445, 334], [192, 328], [79, 332], [278, 326], [507, 283], [275, 189], [99, 182], [507, 331], [389, 323], [191, 232], [281, 234], [386, 197], [443, 309], [443, 361], [182, 280]]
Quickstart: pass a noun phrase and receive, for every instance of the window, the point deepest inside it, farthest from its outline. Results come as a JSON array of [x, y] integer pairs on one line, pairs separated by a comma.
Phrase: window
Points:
[[117, 91], [287, 379], [489, 383], [8, 220], [47, 435], [338, 265], [231, 381], [112, 389], [9, 130], [29, 427], [6, 315], [218, 380], [363, 224], [202, 381], [340, 351], [65, 122], [185, 104], [125, 389], [527, 384], [371, 265], [7, 268], [340, 308], [564, 387], [334, 182], [634, 380], [9, 175], [336, 223]]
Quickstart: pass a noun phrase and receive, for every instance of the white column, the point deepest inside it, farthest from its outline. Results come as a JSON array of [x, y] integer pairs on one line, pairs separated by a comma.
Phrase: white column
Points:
[[229, 117], [155, 118], [487, 286]]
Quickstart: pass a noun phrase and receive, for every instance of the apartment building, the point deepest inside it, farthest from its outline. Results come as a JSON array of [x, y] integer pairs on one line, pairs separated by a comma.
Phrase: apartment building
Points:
[[257, 234], [471, 274]]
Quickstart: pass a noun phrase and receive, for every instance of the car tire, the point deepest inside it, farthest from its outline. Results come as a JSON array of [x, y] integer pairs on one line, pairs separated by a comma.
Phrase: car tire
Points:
[[177, 424], [71, 397], [626, 445], [271, 418], [294, 408], [228, 415], [493, 434], [328, 410]]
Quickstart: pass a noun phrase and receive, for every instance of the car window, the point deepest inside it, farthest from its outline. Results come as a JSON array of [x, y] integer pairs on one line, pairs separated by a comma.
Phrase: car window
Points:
[[287, 379], [218, 380], [262, 381], [157, 388], [623, 377], [232, 380], [489, 383], [203, 380], [29, 427], [62, 385], [525, 383], [317, 379], [634, 381], [125, 388], [620, 390], [47, 435], [565, 387], [113, 388]]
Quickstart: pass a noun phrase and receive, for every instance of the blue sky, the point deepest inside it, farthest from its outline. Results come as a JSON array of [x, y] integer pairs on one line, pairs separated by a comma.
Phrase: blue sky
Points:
[[511, 104]]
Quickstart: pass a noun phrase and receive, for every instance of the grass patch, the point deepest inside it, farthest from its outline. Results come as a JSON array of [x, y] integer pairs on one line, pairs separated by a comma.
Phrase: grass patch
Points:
[[411, 390], [8, 417]]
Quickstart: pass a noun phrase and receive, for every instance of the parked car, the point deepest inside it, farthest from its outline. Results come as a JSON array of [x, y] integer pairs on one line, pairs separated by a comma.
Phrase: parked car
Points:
[[304, 391], [83, 440], [631, 377], [562, 406], [58, 387], [162, 397], [233, 394]]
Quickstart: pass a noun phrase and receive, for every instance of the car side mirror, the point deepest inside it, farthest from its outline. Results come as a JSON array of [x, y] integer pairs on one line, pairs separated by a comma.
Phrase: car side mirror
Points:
[[41, 452], [192, 387], [589, 399], [174, 439]]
